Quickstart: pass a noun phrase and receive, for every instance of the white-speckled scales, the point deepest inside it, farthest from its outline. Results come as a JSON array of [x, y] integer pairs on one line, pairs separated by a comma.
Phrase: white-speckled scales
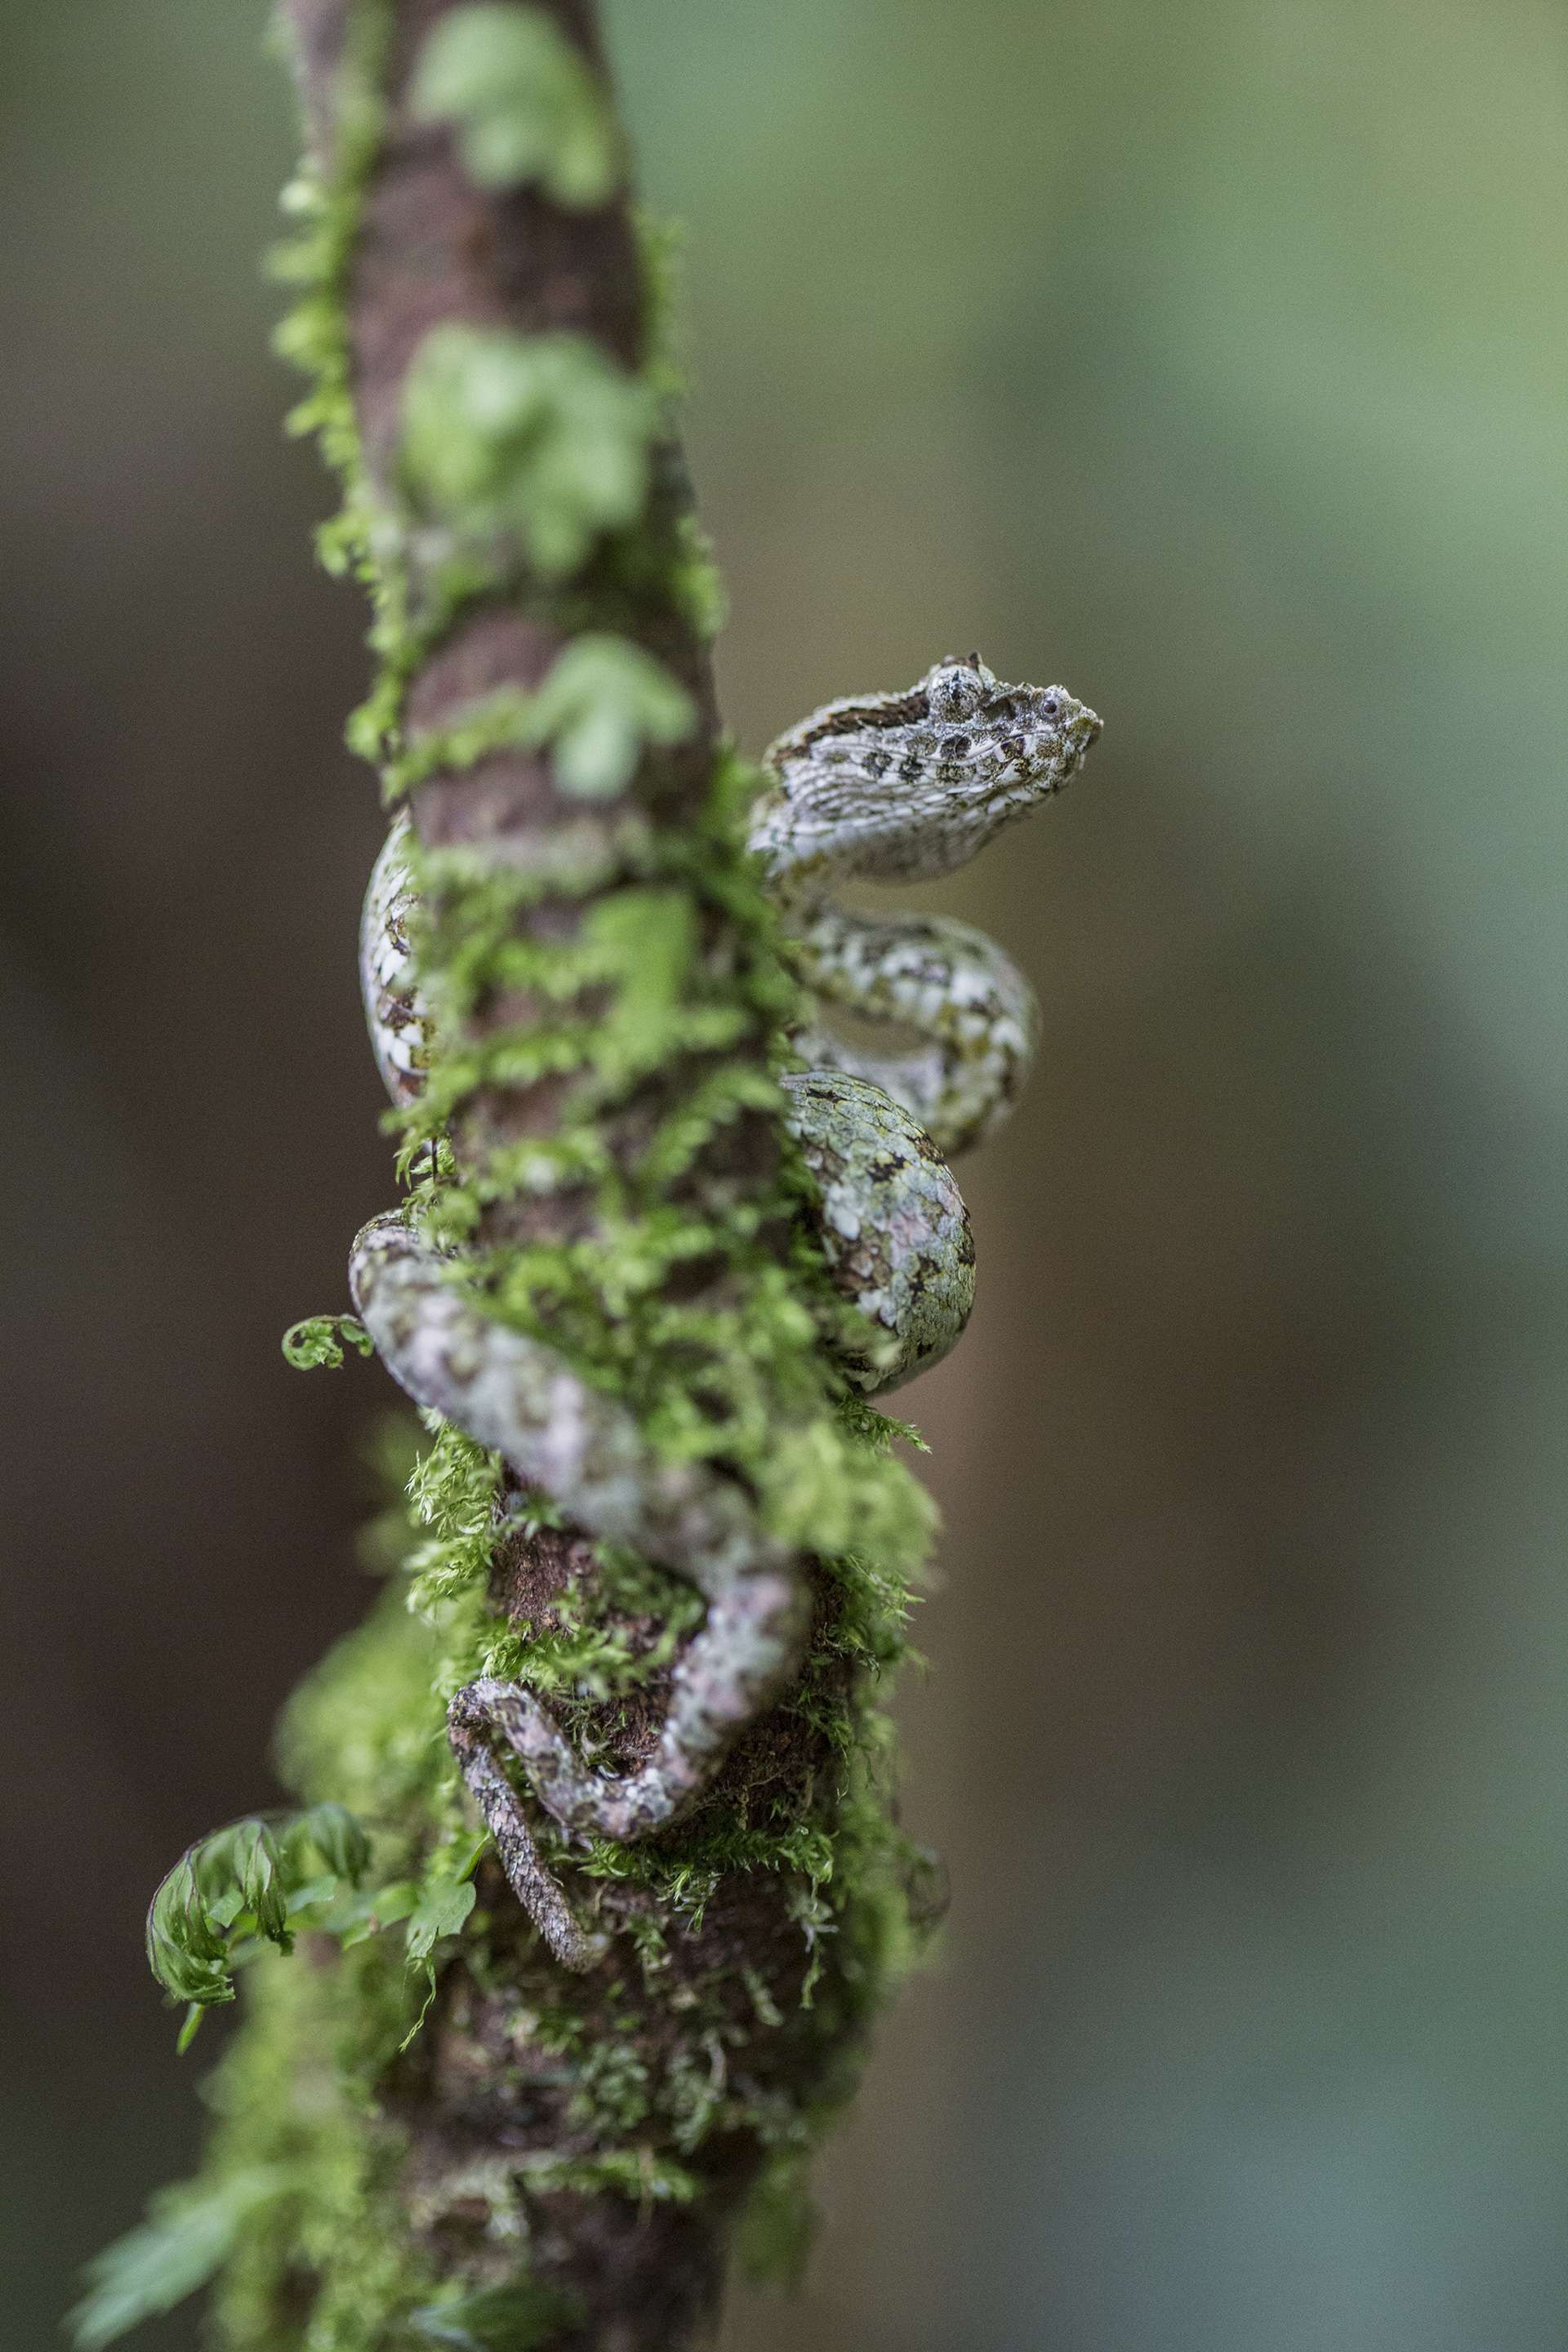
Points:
[[394, 1011], [945, 981], [892, 788], [900, 788], [892, 1222]]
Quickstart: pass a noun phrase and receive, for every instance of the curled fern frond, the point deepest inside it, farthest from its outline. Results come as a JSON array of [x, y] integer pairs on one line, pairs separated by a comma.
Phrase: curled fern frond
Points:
[[321, 1338], [242, 1884]]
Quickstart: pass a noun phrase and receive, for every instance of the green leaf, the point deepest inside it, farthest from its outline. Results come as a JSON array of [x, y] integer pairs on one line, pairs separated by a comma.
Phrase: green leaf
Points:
[[321, 1339], [338, 1838], [185, 1949], [513, 2318], [243, 1882], [602, 702], [187, 2237], [412, 2036], [524, 102], [245, 1856], [312, 1894], [363, 1916], [539, 438], [441, 1910]]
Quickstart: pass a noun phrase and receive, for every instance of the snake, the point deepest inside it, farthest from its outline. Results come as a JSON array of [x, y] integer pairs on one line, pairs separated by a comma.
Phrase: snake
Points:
[[889, 788]]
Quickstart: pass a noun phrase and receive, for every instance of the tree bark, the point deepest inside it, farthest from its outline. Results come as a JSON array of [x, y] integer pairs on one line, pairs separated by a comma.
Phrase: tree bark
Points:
[[747, 1998]]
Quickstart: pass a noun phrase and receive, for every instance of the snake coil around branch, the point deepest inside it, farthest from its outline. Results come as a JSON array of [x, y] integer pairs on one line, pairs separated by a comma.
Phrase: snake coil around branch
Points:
[[884, 788]]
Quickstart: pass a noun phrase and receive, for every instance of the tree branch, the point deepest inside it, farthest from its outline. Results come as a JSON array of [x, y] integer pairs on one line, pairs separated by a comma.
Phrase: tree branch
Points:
[[563, 2159]]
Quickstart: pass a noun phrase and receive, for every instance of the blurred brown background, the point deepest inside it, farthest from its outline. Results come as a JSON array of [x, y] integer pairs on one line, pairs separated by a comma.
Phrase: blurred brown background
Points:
[[1209, 358]]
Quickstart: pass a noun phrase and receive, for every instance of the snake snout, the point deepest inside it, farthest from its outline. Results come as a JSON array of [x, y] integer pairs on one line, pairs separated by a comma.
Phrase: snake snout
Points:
[[1083, 732]]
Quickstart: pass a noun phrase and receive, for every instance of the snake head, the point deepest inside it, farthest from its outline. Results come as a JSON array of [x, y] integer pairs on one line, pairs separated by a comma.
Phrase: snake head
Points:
[[1031, 733], [955, 688], [904, 787]]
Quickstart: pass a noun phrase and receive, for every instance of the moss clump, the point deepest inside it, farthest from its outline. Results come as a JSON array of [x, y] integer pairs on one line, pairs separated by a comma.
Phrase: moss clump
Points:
[[535, 443], [327, 2263], [525, 105], [603, 704]]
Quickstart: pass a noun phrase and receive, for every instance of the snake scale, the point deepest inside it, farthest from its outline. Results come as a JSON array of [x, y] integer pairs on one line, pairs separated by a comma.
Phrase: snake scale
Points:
[[886, 788]]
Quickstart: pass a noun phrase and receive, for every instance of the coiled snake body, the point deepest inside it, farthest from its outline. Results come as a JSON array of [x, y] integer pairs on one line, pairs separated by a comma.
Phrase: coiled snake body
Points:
[[889, 787]]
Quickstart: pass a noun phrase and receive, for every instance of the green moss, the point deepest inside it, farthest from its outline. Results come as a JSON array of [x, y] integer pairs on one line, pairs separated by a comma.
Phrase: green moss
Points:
[[668, 990], [189, 2234], [514, 2318], [313, 336], [537, 441], [324, 2233], [635, 998], [602, 705], [362, 1723], [525, 103], [329, 2267]]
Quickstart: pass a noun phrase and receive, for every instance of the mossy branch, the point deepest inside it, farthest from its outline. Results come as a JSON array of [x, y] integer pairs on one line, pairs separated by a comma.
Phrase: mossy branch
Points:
[[435, 2135]]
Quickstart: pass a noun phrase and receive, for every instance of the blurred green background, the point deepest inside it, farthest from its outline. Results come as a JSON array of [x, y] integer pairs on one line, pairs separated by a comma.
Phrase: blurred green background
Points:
[[1208, 358]]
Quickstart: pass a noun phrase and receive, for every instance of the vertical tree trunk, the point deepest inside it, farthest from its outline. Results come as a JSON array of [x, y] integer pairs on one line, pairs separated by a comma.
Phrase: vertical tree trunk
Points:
[[555, 2162]]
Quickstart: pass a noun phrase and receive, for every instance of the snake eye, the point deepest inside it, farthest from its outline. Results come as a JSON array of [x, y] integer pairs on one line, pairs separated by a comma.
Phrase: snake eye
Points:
[[955, 691]]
